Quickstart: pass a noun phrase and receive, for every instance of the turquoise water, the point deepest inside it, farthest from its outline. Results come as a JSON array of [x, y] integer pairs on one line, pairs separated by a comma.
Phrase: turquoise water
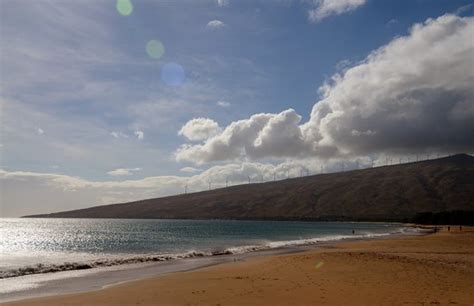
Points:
[[30, 246]]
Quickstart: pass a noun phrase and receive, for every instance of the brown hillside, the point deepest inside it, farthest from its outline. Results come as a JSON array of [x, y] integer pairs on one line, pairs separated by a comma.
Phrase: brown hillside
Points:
[[385, 193]]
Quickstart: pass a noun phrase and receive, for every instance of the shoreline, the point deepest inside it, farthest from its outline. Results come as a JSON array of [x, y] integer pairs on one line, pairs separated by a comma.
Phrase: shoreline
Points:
[[117, 260], [71, 281], [150, 273], [409, 270]]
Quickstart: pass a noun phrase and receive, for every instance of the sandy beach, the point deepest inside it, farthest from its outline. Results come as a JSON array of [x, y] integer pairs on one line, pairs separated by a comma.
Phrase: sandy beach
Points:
[[435, 269]]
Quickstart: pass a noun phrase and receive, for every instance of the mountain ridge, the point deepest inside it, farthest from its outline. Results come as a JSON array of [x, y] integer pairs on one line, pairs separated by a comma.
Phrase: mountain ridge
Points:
[[386, 193]]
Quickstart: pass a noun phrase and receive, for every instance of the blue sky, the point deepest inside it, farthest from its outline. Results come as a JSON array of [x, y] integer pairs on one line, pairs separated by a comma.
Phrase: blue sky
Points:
[[82, 98]]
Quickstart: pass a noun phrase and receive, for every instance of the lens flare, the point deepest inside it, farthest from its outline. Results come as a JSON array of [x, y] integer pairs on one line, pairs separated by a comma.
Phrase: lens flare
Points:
[[319, 264], [172, 74], [124, 7], [155, 49]]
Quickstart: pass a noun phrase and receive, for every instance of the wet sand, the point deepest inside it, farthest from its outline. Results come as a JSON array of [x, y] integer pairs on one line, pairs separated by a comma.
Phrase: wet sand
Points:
[[434, 269]]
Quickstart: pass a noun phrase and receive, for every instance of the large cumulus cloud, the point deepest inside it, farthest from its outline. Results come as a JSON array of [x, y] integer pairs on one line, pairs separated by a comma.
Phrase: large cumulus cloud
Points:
[[411, 95]]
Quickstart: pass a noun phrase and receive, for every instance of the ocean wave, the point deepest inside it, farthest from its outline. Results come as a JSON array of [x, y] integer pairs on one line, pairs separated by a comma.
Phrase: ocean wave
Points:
[[69, 266]]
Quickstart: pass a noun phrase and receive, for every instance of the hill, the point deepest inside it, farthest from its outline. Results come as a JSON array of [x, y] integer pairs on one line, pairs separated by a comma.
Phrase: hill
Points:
[[389, 193]]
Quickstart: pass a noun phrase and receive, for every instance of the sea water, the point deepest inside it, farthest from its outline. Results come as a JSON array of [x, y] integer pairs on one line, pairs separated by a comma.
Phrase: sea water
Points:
[[36, 246]]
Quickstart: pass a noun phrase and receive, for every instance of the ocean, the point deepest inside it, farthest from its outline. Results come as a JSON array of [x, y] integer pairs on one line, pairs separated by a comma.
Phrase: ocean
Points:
[[33, 247], [30, 246]]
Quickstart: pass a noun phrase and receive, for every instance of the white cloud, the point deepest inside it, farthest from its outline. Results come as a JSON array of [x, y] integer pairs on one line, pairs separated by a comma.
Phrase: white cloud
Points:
[[413, 94], [463, 9], [199, 129], [223, 104], [325, 8], [40, 131], [215, 24], [281, 135], [118, 135], [343, 65], [222, 2], [260, 136], [235, 141], [392, 22], [123, 171], [190, 170], [139, 134]]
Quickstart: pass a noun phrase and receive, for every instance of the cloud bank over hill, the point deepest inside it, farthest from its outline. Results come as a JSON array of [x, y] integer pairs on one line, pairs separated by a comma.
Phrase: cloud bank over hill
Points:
[[411, 95], [66, 192]]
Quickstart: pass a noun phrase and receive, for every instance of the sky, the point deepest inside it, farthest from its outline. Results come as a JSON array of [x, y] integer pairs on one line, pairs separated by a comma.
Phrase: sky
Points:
[[111, 101]]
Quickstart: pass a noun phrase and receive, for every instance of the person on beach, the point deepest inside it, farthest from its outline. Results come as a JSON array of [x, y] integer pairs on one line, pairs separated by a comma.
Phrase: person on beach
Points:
[[353, 232], [449, 228]]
